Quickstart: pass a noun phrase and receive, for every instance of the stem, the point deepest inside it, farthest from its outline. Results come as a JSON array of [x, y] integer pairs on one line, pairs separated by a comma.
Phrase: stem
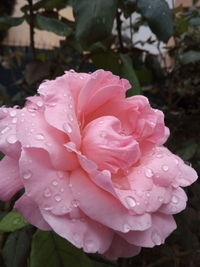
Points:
[[119, 23], [31, 24]]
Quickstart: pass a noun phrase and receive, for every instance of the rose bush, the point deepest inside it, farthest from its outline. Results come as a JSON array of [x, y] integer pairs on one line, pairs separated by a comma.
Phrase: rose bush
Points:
[[93, 165]]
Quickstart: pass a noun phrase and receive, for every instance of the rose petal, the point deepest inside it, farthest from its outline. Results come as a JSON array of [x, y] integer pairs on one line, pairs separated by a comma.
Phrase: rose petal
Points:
[[10, 181], [30, 211]]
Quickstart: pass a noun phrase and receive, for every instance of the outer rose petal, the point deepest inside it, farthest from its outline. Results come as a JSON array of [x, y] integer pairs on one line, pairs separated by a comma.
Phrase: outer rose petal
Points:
[[162, 226], [46, 186], [9, 143], [103, 207], [10, 181], [30, 211], [120, 248], [81, 231], [36, 132]]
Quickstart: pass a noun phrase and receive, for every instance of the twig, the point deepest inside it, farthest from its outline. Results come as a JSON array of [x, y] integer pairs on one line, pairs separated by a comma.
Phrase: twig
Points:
[[31, 24], [119, 23]]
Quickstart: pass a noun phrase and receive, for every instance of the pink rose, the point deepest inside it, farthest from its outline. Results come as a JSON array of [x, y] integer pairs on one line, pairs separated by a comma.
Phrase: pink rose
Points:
[[93, 165]]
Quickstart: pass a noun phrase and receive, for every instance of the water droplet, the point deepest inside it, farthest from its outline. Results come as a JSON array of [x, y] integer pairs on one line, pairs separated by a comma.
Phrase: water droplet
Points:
[[75, 203], [65, 209], [40, 103], [174, 199], [55, 183], [47, 207], [76, 237], [148, 194], [27, 175], [58, 198], [160, 199], [130, 201], [11, 139], [70, 105], [126, 228], [72, 71], [47, 192], [52, 104], [14, 120], [159, 155], [70, 117], [89, 246], [39, 137], [102, 134], [106, 173], [22, 120], [70, 185], [16, 221], [67, 128], [5, 130], [13, 113], [176, 161], [165, 168], [31, 130], [157, 175], [156, 238], [62, 190], [148, 173]]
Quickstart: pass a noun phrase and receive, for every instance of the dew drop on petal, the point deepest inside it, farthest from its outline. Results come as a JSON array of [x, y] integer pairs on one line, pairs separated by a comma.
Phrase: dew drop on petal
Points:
[[126, 228], [5, 130], [160, 199], [156, 238], [27, 175], [165, 168], [47, 192], [58, 198], [148, 173], [55, 183], [130, 201], [60, 174], [67, 128], [13, 113], [174, 199], [14, 120], [39, 137], [70, 117], [40, 103], [75, 203], [11, 139], [62, 190]]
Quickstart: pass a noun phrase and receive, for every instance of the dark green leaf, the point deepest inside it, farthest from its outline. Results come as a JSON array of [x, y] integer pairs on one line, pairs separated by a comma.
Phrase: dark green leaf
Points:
[[94, 19], [49, 249], [128, 72], [191, 56], [159, 17], [11, 21], [17, 246], [188, 149], [53, 25], [107, 61], [12, 222]]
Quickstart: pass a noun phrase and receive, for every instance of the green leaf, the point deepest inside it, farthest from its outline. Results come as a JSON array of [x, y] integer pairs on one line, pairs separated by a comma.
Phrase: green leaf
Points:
[[12, 222], [11, 21], [128, 72], [107, 61], [188, 149], [191, 56], [17, 247], [94, 19], [49, 249], [159, 17], [53, 25]]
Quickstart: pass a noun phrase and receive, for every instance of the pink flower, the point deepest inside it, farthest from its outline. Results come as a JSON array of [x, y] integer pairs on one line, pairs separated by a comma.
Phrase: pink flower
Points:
[[93, 165]]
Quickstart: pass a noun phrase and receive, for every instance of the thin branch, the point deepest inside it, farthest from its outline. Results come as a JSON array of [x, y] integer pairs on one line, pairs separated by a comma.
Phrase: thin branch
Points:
[[31, 25], [119, 23]]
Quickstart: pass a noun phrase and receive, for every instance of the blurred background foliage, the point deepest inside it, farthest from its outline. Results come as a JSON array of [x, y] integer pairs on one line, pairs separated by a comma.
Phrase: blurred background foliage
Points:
[[101, 35]]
